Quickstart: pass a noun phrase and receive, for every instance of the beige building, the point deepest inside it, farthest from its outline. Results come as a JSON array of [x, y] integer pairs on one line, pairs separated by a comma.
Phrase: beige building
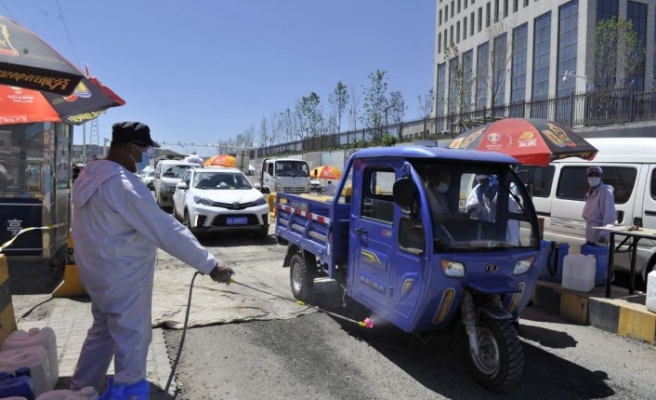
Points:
[[524, 55]]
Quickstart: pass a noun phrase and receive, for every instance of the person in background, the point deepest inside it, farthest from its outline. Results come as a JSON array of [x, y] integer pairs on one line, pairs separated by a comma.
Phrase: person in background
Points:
[[599, 208], [330, 188], [117, 230], [481, 201]]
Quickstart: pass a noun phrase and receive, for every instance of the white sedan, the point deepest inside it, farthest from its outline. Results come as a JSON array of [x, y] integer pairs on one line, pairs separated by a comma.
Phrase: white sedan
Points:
[[220, 199]]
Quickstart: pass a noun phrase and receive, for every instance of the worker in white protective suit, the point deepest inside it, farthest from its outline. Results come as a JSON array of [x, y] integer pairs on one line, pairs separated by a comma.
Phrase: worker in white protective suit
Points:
[[599, 208], [117, 229]]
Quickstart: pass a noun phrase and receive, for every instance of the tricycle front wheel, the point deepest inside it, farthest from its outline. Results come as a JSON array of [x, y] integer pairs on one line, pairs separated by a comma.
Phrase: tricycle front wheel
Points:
[[499, 362], [301, 277]]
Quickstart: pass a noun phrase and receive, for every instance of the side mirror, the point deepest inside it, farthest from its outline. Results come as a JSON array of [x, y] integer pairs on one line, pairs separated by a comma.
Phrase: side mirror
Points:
[[403, 192], [182, 186], [257, 186]]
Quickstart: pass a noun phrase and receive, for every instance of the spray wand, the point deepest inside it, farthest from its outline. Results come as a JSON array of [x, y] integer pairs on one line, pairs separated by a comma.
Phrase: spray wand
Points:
[[367, 323]]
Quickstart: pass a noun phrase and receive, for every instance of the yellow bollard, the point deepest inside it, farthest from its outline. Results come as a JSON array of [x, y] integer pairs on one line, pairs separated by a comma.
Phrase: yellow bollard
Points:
[[7, 316], [271, 198], [71, 286]]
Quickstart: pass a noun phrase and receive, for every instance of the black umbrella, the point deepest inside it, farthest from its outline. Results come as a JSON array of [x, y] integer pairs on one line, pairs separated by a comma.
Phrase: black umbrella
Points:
[[27, 61]]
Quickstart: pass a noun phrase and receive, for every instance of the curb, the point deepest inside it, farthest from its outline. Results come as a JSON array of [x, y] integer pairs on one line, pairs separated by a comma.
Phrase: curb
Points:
[[625, 316]]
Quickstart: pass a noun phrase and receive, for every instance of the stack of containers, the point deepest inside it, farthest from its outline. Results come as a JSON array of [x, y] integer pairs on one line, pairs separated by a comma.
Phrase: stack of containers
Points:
[[35, 349]]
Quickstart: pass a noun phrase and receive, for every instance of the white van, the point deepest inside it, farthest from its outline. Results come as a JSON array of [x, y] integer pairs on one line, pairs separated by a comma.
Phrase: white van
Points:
[[167, 175], [629, 165]]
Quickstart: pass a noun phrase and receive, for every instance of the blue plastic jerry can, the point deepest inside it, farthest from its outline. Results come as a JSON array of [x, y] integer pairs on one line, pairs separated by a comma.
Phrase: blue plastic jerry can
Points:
[[552, 256], [127, 385], [601, 256], [19, 385]]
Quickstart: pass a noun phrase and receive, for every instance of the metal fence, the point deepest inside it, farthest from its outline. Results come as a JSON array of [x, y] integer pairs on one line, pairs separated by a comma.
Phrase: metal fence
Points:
[[597, 108]]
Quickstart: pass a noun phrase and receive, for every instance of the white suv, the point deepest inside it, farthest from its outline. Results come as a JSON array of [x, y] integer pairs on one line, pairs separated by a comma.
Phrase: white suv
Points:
[[220, 199], [167, 175]]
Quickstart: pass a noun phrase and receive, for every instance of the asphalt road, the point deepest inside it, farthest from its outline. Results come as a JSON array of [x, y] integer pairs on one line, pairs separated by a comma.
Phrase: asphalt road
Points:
[[322, 357]]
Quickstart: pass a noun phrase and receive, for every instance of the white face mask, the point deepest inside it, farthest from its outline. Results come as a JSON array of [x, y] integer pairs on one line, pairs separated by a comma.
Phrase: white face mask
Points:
[[442, 187], [594, 181]]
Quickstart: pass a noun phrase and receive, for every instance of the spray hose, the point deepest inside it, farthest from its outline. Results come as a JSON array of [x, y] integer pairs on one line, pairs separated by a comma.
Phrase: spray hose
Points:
[[367, 323]]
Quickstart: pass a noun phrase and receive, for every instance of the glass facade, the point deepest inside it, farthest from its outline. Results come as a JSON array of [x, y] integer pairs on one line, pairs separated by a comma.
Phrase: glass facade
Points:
[[568, 15], [454, 79], [499, 66], [607, 9], [440, 94], [637, 14], [468, 76], [541, 54], [518, 74], [482, 75]]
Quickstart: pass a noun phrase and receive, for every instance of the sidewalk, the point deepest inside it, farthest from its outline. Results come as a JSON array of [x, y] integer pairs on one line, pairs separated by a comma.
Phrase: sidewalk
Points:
[[70, 319], [623, 314]]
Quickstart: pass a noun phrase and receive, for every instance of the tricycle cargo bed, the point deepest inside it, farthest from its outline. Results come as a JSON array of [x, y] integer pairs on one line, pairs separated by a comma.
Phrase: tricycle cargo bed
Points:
[[317, 226]]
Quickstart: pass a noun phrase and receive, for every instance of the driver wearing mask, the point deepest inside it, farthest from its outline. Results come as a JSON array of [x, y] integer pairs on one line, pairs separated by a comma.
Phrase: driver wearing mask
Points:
[[599, 209]]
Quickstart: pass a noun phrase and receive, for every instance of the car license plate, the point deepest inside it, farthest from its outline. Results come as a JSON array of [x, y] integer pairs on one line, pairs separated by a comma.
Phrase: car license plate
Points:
[[237, 220]]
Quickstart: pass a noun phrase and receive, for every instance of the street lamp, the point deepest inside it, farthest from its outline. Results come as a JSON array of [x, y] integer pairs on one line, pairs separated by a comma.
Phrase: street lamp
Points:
[[572, 74]]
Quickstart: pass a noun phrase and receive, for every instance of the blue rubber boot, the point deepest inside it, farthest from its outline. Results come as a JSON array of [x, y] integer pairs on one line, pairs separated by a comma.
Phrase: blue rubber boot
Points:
[[127, 385]]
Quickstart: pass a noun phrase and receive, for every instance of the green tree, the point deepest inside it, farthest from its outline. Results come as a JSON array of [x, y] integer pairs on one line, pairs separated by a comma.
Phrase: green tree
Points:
[[375, 102], [338, 100], [617, 52], [309, 114]]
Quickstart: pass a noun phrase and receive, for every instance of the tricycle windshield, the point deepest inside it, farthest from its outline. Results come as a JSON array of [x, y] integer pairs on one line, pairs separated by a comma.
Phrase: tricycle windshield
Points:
[[474, 207]]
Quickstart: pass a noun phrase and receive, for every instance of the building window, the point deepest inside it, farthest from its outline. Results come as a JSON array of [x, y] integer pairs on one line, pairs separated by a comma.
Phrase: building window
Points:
[[515, 5], [525, 3], [464, 28], [440, 17], [441, 89], [505, 8], [439, 43], [446, 13], [452, 9], [458, 6], [499, 66], [467, 80], [496, 10], [607, 9], [454, 91], [518, 72], [568, 15], [458, 32], [637, 14], [482, 76], [471, 25], [488, 14], [451, 35], [446, 43], [480, 19], [541, 54]]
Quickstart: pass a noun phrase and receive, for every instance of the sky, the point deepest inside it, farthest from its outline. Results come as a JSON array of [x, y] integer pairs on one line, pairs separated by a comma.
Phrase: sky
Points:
[[203, 71]]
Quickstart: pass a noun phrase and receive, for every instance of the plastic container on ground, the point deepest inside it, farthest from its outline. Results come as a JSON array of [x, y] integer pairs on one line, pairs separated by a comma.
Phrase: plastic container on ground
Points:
[[16, 386], [37, 337], [127, 385], [551, 260], [36, 359], [601, 255], [579, 272], [87, 393], [650, 302]]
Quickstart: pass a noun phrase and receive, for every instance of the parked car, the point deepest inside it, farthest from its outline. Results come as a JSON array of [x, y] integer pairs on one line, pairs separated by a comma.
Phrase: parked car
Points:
[[146, 176], [167, 174], [220, 199]]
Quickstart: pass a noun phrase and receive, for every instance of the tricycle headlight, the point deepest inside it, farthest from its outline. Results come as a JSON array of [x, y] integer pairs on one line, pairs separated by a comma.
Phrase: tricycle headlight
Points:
[[522, 266], [453, 269], [260, 201], [203, 201]]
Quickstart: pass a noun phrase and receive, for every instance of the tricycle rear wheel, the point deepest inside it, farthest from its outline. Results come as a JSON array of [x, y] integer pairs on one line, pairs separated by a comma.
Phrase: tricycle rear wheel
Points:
[[301, 278], [499, 363]]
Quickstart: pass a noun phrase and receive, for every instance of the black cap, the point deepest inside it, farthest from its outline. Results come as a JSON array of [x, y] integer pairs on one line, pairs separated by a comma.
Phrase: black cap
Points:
[[136, 132]]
